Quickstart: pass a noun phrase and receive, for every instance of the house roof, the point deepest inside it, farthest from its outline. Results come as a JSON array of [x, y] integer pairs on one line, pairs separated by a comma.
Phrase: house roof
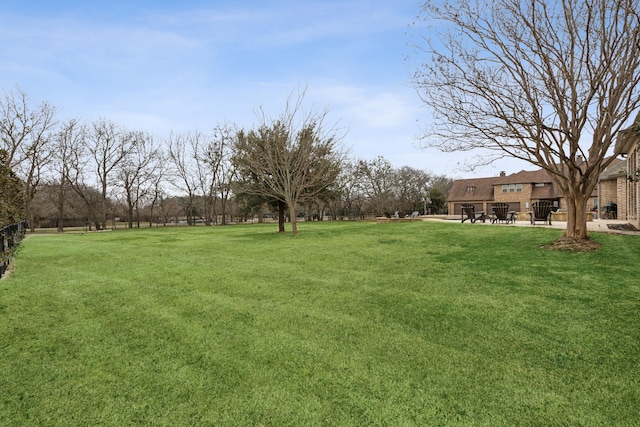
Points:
[[546, 192], [483, 189], [484, 186], [618, 167], [525, 177], [628, 137]]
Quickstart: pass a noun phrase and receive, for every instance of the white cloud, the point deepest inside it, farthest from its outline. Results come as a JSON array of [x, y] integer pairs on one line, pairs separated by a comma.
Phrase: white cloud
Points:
[[180, 66], [371, 107]]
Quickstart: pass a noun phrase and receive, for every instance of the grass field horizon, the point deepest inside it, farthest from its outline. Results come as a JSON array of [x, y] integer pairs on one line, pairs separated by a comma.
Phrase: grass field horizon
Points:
[[348, 323]]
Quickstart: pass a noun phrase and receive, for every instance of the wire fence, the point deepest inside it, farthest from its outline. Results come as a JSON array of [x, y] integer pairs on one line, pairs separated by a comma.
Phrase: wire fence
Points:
[[10, 237]]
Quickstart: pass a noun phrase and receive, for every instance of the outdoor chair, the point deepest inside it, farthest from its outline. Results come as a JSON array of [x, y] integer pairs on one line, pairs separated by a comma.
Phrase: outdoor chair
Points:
[[501, 213], [469, 213], [610, 211], [541, 211]]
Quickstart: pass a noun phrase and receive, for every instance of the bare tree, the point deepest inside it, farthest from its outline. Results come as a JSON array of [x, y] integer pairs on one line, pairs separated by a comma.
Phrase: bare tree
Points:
[[138, 172], [548, 82], [290, 159], [25, 133], [77, 171], [66, 144], [108, 146], [158, 181], [224, 138], [207, 155], [184, 173]]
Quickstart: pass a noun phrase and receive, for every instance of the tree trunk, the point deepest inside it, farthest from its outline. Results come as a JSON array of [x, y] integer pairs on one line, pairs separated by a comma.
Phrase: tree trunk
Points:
[[294, 219], [130, 211], [151, 216], [280, 216], [60, 209], [31, 221], [223, 207], [576, 217]]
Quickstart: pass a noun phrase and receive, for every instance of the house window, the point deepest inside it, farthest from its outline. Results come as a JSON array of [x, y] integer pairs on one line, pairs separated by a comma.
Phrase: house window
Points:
[[470, 189], [539, 184], [512, 188]]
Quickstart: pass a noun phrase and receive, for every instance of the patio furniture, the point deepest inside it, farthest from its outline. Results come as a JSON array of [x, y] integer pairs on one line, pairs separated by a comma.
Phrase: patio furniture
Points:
[[501, 213], [541, 211], [469, 213], [610, 210]]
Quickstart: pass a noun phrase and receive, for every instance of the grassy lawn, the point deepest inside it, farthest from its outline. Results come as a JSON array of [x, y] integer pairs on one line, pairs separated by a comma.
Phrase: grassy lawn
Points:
[[346, 324]]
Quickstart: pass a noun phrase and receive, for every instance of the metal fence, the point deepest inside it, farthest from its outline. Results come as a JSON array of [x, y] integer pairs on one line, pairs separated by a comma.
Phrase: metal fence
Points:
[[10, 237]]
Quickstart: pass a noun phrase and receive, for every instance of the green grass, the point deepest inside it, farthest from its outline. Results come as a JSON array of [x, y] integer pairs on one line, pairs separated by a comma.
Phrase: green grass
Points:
[[345, 324]]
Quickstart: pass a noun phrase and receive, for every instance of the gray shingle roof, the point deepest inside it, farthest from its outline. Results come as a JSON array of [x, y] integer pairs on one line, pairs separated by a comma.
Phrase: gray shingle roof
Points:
[[484, 186], [483, 189]]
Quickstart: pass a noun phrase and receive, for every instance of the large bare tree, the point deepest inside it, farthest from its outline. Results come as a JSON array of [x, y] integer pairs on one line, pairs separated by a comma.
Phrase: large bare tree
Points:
[[548, 82], [25, 134], [290, 159], [108, 145], [221, 150], [138, 173], [66, 145], [184, 171], [210, 155]]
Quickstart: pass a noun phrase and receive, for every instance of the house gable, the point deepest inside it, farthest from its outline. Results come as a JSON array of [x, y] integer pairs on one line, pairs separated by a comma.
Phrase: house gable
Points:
[[471, 190]]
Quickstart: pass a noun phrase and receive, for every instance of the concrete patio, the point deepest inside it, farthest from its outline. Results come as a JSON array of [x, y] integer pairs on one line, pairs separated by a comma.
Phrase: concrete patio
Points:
[[599, 225]]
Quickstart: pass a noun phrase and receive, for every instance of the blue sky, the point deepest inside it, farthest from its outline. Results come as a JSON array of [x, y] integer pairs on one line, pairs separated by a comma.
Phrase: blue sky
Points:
[[163, 66]]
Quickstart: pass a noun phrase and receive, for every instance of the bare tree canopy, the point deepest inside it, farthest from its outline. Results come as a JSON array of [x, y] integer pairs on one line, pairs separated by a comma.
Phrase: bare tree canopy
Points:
[[108, 145], [182, 154], [219, 155], [24, 128], [66, 149], [138, 172], [291, 159], [25, 134], [548, 82]]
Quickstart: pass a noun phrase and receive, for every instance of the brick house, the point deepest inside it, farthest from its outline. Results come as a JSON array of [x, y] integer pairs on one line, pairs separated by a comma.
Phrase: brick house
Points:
[[523, 188], [612, 187], [519, 190], [628, 143]]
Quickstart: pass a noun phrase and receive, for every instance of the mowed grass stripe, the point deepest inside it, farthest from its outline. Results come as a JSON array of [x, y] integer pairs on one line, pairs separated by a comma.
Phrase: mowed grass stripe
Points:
[[345, 324]]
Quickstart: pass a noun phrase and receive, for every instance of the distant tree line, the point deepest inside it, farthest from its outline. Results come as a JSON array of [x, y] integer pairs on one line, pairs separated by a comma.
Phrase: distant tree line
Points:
[[72, 173]]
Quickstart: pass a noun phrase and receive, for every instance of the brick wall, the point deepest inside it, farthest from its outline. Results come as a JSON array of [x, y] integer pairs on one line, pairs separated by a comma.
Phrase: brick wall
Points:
[[517, 200], [633, 207], [622, 185], [608, 192]]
